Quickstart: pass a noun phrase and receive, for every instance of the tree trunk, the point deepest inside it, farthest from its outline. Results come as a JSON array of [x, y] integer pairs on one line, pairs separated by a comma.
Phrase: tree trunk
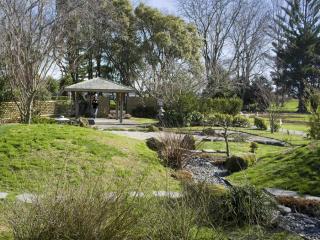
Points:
[[302, 108], [227, 142], [27, 110]]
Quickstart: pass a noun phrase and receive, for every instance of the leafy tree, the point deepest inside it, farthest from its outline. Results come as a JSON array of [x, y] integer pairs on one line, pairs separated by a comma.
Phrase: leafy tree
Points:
[[297, 54]]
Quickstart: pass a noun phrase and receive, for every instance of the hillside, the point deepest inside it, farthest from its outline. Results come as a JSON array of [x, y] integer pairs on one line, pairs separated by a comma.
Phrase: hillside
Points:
[[31, 156], [297, 169]]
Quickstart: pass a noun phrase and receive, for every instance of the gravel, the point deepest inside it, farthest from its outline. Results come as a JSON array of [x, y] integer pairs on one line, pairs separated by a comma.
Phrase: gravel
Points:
[[301, 224], [204, 171]]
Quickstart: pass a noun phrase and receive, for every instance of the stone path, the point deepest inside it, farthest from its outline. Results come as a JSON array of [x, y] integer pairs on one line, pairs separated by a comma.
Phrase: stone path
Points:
[[249, 137], [285, 193]]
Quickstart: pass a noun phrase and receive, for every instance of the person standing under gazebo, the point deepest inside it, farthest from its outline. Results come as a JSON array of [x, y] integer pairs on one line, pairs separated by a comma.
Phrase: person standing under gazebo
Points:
[[95, 105]]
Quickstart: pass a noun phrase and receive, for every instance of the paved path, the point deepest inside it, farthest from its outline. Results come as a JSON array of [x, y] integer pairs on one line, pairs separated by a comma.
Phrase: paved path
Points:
[[249, 137]]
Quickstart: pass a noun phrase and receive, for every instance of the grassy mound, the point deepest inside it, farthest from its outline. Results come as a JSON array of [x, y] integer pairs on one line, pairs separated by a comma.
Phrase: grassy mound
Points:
[[298, 170], [33, 155]]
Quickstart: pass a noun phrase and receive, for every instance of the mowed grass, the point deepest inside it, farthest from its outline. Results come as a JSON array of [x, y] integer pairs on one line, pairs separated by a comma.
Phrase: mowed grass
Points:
[[241, 148], [32, 156], [297, 169]]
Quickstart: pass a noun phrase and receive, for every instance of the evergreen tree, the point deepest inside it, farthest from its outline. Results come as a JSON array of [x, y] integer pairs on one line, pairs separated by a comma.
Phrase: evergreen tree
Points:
[[297, 54]]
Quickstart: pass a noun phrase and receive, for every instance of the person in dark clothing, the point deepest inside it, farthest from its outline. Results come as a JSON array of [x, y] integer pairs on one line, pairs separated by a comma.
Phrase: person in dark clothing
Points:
[[95, 105]]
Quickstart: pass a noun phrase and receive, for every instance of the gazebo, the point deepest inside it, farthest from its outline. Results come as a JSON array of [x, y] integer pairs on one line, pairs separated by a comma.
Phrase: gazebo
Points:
[[101, 85]]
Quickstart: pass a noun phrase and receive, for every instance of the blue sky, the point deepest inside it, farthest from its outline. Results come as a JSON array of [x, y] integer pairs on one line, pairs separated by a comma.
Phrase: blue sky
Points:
[[168, 6]]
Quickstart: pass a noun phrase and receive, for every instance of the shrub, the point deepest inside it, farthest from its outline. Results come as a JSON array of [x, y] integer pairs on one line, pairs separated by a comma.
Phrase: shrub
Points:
[[153, 128], [253, 147], [189, 142], [145, 112], [154, 144], [82, 213], [239, 163], [241, 121], [209, 131], [260, 123], [239, 205], [315, 101], [42, 120], [315, 125], [196, 118], [83, 122], [175, 149], [231, 106], [276, 127]]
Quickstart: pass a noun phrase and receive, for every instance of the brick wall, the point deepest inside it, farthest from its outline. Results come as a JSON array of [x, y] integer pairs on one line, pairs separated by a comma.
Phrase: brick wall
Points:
[[9, 111]]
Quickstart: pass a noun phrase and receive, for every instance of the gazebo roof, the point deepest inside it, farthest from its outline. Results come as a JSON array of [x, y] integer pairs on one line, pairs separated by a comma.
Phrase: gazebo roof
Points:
[[99, 85]]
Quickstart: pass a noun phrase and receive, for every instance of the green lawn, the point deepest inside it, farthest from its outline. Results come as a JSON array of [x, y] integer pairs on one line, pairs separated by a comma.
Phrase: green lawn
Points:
[[297, 169], [238, 148], [290, 106], [144, 120], [40, 154]]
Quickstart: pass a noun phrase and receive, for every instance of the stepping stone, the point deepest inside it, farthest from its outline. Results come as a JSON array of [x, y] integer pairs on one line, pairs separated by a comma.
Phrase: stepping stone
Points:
[[209, 151], [167, 194], [284, 209], [281, 193], [313, 198], [3, 195], [26, 198], [136, 194]]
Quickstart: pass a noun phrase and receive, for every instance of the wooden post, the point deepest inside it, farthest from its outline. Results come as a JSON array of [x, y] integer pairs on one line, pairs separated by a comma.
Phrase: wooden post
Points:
[[117, 106], [76, 104], [121, 107]]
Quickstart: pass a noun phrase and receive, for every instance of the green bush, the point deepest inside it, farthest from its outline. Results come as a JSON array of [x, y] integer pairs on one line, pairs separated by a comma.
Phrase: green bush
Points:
[[241, 121], [42, 120], [153, 128], [173, 118], [253, 147], [196, 118], [276, 127], [239, 163], [145, 112], [154, 144], [238, 205], [315, 125], [260, 123], [231, 106]]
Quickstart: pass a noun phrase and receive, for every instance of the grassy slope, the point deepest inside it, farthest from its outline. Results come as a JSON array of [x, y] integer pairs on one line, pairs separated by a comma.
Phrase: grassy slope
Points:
[[31, 155], [298, 170]]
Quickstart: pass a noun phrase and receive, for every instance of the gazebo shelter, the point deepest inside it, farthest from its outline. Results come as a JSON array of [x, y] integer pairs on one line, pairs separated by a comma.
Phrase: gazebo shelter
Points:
[[101, 85]]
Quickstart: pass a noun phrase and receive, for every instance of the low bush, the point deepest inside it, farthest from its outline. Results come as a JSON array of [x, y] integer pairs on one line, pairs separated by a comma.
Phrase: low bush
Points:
[[253, 147], [239, 205], [276, 127], [231, 106], [260, 123], [173, 118], [196, 118], [241, 121], [315, 125], [83, 122], [209, 131], [145, 112], [82, 213], [153, 128], [42, 120], [239, 163], [154, 144], [175, 149]]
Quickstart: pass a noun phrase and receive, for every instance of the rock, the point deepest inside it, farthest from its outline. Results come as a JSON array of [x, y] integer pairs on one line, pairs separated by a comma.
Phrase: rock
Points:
[[136, 194], [281, 193], [3, 195], [208, 151], [167, 194], [27, 198], [284, 209]]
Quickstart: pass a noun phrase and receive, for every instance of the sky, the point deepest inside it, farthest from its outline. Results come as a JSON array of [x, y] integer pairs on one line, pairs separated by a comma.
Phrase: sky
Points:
[[167, 6]]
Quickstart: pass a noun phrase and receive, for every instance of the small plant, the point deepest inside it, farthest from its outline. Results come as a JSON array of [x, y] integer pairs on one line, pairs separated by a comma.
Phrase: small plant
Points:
[[83, 122], [196, 118], [239, 163], [241, 121], [254, 147], [42, 120], [260, 123], [314, 123], [153, 128], [175, 149], [154, 144]]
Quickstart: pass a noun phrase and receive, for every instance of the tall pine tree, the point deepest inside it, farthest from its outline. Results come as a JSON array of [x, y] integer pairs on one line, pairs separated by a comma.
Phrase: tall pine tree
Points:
[[298, 54]]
